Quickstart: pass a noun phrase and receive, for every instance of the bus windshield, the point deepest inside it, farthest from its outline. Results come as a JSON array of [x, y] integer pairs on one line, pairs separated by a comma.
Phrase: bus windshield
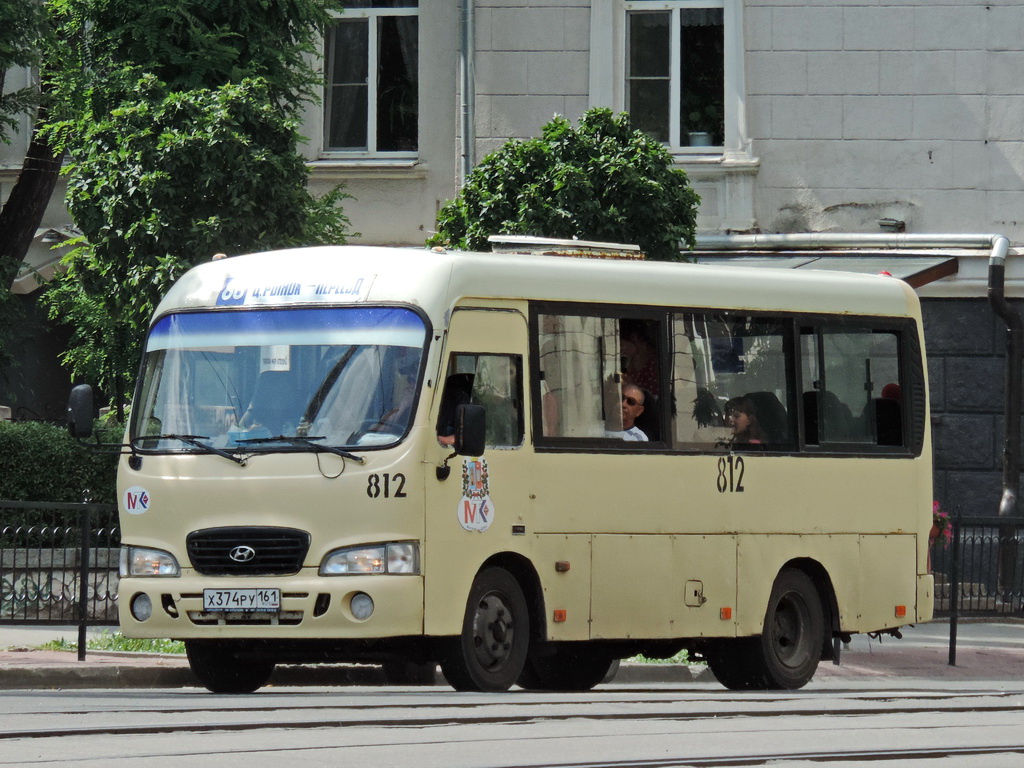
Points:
[[279, 379]]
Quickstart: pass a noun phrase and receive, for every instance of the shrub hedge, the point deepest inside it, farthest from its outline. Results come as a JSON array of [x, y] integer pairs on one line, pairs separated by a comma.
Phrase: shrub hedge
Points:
[[41, 462]]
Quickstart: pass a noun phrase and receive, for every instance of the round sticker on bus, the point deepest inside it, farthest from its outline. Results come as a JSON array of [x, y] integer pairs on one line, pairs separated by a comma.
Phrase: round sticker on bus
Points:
[[136, 500], [476, 512]]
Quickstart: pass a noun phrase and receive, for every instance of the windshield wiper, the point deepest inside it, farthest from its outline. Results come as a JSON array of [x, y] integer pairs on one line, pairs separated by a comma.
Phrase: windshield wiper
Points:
[[192, 440], [306, 441]]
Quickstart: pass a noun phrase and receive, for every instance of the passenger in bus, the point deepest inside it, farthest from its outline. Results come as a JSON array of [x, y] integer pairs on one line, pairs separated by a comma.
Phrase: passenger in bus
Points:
[[640, 360], [632, 407], [742, 419]]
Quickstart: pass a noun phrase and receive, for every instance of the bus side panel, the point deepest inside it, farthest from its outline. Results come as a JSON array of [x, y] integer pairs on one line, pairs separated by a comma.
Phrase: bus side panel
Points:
[[663, 586], [563, 564], [887, 581], [870, 576]]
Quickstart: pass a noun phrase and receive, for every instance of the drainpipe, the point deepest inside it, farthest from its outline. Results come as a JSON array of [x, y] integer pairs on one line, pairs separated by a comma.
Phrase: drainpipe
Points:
[[468, 95], [1014, 345]]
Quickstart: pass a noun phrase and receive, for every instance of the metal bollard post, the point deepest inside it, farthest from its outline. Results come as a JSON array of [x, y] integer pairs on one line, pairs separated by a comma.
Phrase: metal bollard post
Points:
[[85, 519]]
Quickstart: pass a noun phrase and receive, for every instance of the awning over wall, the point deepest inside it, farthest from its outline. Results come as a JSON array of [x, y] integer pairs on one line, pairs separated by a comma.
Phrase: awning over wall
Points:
[[915, 270]]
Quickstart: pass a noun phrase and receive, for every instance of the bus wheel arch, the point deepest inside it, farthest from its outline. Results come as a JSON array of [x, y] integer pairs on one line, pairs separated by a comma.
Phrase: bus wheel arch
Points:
[[490, 651]]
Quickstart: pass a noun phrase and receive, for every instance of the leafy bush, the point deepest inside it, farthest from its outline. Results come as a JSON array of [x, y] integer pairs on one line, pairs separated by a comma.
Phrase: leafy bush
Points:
[[600, 181], [41, 462]]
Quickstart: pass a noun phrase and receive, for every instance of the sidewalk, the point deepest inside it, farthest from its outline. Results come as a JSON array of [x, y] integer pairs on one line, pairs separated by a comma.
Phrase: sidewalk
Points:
[[985, 651]]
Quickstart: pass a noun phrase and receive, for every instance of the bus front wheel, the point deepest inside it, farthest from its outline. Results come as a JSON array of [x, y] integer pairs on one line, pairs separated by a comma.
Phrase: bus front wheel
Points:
[[490, 653], [220, 668]]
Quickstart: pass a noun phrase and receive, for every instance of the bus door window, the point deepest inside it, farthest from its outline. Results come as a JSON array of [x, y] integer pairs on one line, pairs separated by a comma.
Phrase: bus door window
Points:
[[493, 381], [852, 390], [727, 362]]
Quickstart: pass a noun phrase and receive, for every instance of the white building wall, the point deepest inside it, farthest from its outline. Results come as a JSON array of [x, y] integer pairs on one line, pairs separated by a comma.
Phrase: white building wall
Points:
[[908, 110], [532, 63]]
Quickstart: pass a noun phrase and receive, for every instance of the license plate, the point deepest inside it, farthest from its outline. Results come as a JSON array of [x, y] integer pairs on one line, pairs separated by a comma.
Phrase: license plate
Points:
[[221, 600]]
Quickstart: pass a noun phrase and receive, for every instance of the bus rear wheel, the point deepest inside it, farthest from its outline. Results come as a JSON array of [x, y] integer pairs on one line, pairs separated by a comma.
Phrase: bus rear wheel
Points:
[[221, 669], [785, 656], [567, 669], [490, 653]]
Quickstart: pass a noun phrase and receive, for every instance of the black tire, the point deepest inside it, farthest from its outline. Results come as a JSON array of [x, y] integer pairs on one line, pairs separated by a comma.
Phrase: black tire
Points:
[[490, 653], [410, 673], [729, 661], [794, 632], [569, 669], [785, 656], [221, 669]]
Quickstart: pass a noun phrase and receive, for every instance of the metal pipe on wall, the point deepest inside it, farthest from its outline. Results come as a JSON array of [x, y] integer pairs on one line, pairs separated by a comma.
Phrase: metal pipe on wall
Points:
[[468, 96]]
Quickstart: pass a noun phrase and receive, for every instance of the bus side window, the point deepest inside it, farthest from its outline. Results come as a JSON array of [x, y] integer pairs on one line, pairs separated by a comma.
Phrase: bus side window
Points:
[[579, 376], [493, 381], [737, 360], [852, 390]]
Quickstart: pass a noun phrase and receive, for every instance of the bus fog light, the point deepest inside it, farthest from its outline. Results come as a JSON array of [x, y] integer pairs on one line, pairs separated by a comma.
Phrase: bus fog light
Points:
[[141, 607], [361, 605]]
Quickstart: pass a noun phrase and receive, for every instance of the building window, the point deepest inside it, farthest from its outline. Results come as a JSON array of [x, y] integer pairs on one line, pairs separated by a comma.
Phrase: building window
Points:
[[371, 103], [675, 71]]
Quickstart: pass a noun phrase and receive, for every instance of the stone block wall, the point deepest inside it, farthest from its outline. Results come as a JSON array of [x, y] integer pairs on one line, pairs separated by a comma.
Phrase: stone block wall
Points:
[[967, 369]]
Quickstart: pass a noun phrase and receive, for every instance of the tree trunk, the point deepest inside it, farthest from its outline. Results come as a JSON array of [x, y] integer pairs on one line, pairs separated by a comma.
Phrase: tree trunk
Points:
[[26, 204]]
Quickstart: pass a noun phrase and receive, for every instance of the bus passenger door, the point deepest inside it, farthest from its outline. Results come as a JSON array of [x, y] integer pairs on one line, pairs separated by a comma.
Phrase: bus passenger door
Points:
[[481, 507]]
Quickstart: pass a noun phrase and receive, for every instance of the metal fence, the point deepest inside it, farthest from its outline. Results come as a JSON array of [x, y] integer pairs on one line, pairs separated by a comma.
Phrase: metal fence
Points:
[[58, 564], [981, 571]]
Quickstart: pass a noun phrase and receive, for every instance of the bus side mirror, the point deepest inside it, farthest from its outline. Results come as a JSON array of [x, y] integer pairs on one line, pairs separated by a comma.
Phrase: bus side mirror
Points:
[[80, 411], [470, 430]]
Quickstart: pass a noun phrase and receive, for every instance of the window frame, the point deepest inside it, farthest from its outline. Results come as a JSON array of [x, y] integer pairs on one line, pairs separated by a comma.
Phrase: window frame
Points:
[[617, 312], [609, 74], [371, 16], [911, 376]]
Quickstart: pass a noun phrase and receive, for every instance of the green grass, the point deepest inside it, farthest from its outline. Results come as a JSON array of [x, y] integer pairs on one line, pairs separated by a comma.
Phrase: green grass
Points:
[[117, 642], [680, 658]]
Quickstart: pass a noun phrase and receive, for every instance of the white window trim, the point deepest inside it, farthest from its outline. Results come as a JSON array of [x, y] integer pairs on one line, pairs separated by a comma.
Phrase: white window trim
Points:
[[608, 73], [373, 16]]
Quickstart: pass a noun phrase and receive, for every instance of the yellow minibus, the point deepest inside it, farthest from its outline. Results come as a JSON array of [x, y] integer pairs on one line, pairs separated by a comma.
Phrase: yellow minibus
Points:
[[524, 466]]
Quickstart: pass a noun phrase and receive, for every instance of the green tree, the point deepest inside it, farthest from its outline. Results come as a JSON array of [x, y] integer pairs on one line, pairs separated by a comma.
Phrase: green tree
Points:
[[23, 39], [22, 26], [601, 181], [183, 143]]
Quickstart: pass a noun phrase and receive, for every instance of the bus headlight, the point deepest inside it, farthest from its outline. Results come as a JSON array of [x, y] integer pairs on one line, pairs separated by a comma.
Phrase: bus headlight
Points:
[[401, 557], [141, 561]]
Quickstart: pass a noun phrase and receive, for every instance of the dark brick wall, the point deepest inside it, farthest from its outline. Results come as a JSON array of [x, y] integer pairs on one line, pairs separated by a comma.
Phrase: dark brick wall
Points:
[[967, 368]]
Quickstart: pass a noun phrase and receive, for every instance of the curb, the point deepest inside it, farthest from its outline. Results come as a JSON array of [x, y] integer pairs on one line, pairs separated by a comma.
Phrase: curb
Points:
[[154, 671]]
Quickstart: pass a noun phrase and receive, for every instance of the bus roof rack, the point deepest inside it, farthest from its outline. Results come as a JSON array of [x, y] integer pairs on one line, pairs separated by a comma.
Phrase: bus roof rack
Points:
[[547, 246]]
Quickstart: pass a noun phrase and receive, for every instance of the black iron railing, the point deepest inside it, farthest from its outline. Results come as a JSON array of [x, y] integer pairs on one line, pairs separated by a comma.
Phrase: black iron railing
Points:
[[58, 564], [980, 572]]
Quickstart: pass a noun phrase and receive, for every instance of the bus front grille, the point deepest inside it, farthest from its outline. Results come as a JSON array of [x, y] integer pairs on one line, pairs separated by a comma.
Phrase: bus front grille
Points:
[[247, 551]]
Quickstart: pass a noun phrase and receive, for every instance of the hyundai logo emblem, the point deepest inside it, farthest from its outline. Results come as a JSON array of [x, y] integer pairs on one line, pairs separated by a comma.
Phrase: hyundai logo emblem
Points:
[[242, 554]]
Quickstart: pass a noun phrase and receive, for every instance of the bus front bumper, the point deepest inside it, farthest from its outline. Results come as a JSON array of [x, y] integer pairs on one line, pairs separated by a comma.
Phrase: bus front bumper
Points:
[[349, 607]]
